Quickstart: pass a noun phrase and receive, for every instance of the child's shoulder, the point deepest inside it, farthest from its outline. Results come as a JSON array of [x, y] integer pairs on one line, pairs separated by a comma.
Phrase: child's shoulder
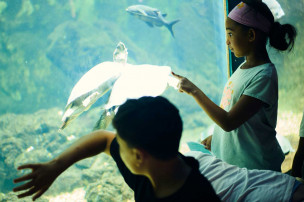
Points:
[[267, 69]]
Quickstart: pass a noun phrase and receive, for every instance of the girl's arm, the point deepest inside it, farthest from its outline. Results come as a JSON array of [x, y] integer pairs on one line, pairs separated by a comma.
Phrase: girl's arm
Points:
[[44, 174], [243, 110]]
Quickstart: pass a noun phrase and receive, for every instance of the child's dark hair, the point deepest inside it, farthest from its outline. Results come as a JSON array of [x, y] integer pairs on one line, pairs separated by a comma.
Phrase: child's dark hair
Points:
[[281, 37], [150, 123]]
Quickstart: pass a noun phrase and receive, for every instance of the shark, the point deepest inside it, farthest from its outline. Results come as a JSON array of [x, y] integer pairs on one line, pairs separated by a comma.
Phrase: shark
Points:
[[151, 16]]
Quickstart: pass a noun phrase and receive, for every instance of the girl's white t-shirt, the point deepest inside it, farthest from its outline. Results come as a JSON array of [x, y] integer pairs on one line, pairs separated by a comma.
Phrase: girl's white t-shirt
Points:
[[252, 145]]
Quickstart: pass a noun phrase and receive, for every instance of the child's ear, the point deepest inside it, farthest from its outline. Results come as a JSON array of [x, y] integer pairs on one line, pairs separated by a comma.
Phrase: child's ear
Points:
[[251, 35], [139, 156]]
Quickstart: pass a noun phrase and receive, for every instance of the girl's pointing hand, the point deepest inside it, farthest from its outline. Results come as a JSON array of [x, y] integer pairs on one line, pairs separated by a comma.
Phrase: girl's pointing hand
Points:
[[185, 85]]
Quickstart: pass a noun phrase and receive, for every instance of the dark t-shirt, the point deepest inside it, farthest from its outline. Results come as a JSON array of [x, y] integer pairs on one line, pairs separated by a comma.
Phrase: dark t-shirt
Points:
[[196, 187]]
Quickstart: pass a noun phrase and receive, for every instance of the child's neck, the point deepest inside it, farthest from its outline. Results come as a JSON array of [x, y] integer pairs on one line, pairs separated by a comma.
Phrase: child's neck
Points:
[[256, 58], [168, 177]]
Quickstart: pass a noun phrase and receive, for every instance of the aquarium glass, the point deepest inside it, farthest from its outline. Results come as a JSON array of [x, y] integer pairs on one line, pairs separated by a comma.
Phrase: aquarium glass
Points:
[[47, 46]]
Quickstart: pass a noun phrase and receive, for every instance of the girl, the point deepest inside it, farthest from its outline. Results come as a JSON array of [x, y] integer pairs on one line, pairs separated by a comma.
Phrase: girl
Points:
[[246, 119]]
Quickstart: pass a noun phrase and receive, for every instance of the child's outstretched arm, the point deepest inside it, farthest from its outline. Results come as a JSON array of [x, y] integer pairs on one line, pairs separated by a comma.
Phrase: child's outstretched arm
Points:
[[244, 109], [44, 174]]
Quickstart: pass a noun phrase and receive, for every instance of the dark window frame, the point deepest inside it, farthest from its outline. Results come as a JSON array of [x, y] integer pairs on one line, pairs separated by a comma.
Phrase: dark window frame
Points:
[[233, 62]]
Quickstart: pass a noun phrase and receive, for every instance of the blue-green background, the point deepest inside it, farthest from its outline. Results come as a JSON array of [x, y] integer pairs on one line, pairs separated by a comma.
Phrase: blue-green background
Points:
[[47, 45]]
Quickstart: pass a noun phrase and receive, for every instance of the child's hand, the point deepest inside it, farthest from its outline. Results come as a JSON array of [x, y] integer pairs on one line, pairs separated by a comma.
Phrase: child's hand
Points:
[[39, 180], [207, 142], [185, 85]]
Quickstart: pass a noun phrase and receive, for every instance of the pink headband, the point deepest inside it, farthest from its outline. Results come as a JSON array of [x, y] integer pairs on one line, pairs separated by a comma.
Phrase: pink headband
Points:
[[245, 15]]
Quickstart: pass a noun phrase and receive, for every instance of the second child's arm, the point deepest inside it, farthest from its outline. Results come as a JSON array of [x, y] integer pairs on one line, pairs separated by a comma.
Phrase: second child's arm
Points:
[[44, 174], [87, 146]]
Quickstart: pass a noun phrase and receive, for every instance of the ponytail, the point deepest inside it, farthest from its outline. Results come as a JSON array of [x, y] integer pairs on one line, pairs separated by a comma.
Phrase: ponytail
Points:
[[282, 37]]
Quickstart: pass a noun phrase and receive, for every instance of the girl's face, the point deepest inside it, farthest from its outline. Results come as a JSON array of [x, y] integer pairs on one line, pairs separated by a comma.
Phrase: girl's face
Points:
[[237, 38]]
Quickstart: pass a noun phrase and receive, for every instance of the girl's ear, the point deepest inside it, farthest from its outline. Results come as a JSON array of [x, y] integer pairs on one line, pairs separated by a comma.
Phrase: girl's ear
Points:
[[251, 35]]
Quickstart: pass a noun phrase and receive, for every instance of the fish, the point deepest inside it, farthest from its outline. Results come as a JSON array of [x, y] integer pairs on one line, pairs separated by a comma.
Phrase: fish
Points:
[[113, 83], [136, 81], [151, 16], [97, 82]]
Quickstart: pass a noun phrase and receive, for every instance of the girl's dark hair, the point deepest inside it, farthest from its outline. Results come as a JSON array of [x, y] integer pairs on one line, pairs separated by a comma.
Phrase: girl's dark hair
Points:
[[281, 37]]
